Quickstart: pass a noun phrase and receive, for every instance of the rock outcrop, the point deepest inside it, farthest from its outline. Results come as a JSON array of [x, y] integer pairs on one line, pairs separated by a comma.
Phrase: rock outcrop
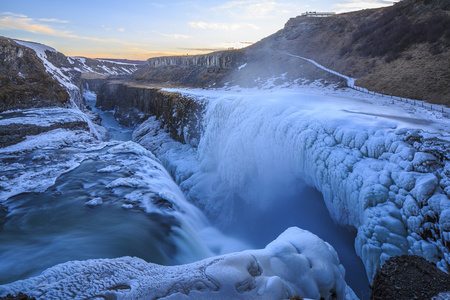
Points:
[[221, 60], [409, 277], [24, 81], [35, 75], [180, 115], [194, 71]]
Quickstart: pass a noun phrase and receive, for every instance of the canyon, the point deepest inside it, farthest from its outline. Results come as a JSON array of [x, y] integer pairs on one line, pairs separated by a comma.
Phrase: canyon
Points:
[[245, 135]]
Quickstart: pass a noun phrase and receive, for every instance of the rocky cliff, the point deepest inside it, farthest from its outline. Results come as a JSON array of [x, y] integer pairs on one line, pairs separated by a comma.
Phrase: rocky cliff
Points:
[[245, 67], [34, 75], [24, 81], [221, 60], [194, 71], [132, 104]]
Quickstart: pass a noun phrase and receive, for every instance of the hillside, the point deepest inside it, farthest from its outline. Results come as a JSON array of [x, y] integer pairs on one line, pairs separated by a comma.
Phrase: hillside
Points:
[[401, 50], [34, 75], [24, 81]]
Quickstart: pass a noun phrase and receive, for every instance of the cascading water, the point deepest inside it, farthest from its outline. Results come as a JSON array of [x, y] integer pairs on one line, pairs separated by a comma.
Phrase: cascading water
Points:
[[118, 201], [249, 176]]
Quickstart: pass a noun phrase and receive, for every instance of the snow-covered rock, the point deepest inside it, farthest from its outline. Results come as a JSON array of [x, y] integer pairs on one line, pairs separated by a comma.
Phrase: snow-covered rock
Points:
[[94, 202], [296, 263]]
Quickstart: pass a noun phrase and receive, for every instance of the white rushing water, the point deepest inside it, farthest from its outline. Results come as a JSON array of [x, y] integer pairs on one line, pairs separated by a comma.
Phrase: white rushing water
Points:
[[100, 200]]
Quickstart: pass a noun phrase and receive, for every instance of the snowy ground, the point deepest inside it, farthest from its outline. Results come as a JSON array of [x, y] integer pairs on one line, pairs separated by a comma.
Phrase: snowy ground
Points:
[[382, 167]]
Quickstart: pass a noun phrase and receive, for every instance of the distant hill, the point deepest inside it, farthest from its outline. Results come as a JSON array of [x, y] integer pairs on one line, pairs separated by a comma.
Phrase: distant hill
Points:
[[124, 61], [402, 50], [36, 75]]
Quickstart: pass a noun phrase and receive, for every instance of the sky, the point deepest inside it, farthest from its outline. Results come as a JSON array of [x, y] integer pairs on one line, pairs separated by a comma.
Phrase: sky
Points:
[[138, 29]]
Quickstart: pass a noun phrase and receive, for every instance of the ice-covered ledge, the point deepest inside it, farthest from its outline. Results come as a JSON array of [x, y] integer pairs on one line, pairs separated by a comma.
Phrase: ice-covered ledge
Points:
[[296, 263]]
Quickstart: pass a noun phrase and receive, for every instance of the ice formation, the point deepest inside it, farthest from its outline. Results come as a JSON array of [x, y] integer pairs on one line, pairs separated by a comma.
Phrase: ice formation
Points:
[[382, 170], [296, 263]]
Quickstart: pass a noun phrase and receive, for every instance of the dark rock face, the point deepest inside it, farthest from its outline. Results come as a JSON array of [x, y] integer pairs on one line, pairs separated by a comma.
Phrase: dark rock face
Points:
[[20, 296], [180, 115], [24, 82], [14, 133], [194, 71], [221, 60], [409, 277]]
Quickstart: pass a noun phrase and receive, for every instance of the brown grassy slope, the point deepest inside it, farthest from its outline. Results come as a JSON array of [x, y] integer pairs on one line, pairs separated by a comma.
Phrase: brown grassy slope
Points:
[[402, 49], [24, 83]]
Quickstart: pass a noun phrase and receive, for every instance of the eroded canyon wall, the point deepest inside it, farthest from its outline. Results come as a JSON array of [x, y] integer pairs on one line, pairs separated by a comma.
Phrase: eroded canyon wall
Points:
[[132, 104]]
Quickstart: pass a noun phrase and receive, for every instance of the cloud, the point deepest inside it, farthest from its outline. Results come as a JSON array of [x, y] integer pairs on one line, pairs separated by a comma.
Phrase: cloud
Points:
[[25, 23], [13, 15], [157, 5], [51, 20], [202, 49], [222, 26], [252, 9], [352, 5], [173, 35], [22, 22], [121, 29]]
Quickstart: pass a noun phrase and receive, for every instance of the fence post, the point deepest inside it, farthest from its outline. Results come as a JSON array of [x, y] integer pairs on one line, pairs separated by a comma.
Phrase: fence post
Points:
[[431, 106]]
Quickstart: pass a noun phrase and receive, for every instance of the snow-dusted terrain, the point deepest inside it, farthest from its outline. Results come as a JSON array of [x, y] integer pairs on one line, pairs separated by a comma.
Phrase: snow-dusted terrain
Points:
[[382, 169]]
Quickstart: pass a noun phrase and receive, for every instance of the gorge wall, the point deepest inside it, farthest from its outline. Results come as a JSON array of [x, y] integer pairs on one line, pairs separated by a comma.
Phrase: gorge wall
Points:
[[193, 71], [179, 115]]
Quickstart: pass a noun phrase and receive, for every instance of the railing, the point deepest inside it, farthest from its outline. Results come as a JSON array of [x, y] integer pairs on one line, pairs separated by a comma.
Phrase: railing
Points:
[[317, 14]]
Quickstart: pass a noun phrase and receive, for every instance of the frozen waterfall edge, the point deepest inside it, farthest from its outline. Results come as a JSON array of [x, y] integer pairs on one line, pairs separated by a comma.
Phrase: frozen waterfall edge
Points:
[[296, 263], [390, 183]]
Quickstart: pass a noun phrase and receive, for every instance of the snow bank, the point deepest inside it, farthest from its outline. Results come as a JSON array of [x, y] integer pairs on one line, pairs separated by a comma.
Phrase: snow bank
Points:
[[296, 263], [41, 116], [382, 170], [34, 163]]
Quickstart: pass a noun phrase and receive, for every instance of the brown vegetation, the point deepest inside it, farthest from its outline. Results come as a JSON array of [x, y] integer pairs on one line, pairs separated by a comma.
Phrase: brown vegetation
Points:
[[402, 49]]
